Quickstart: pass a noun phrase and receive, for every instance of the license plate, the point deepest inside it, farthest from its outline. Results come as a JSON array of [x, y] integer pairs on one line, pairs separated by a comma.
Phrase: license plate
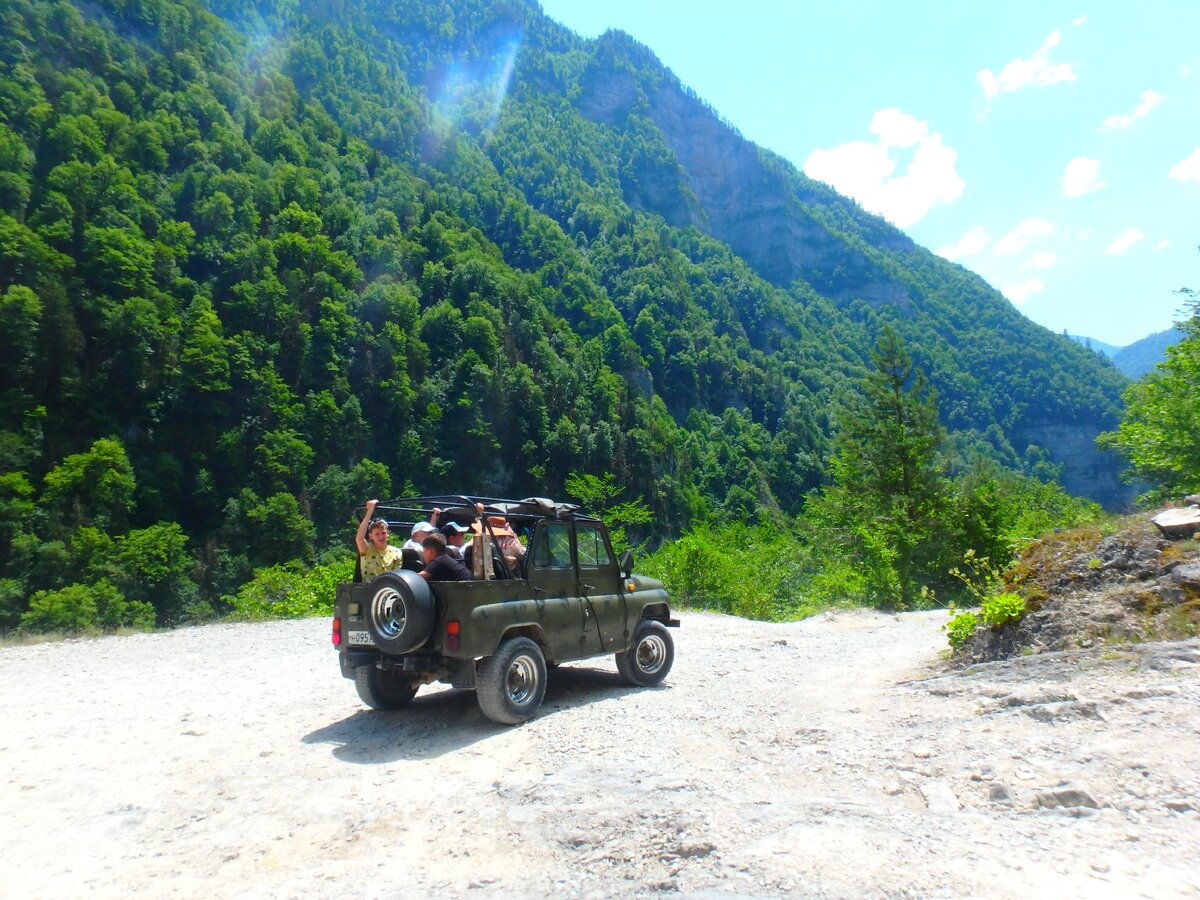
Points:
[[358, 637]]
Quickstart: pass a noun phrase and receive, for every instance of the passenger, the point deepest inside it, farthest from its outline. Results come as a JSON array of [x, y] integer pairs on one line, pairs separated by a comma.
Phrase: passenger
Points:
[[420, 531], [375, 554], [507, 542], [440, 565], [453, 533]]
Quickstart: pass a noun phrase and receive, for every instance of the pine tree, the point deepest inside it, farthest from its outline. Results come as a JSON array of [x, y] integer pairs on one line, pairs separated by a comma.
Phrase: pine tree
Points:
[[885, 510]]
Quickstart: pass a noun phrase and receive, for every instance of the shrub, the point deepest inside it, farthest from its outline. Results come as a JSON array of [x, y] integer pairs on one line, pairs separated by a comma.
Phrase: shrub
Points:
[[85, 609], [291, 591], [960, 628], [1000, 609]]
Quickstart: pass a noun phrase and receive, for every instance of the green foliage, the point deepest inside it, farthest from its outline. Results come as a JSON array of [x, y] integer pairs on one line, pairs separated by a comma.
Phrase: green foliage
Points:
[[739, 569], [1157, 434], [598, 496], [96, 487], [290, 591], [960, 628], [85, 609], [245, 285], [887, 507], [1000, 609]]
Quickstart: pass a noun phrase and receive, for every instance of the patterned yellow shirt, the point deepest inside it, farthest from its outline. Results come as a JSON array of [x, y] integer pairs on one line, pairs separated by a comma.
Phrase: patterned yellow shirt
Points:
[[375, 562]]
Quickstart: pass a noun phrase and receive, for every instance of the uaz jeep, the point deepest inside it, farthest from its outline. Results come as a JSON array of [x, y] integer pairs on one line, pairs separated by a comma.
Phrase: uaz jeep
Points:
[[567, 598]]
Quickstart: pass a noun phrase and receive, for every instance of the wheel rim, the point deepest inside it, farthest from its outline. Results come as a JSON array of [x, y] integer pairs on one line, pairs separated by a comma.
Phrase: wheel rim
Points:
[[651, 653], [389, 612], [522, 680]]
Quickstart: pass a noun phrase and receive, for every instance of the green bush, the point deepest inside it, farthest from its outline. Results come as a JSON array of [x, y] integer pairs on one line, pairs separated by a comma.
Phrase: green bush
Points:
[[1000, 609], [85, 609], [291, 591], [960, 628], [743, 570]]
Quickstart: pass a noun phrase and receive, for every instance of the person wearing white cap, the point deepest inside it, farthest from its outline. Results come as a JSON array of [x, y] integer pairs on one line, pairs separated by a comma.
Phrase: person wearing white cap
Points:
[[420, 531]]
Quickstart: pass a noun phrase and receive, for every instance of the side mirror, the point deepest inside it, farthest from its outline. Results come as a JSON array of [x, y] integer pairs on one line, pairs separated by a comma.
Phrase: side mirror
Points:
[[627, 563]]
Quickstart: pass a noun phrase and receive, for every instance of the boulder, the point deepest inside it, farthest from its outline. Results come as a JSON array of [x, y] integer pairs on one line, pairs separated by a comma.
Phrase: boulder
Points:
[[1191, 500], [1181, 584], [1068, 795], [1176, 524]]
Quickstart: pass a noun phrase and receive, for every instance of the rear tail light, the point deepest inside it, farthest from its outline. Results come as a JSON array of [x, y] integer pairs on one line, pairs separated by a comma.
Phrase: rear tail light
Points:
[[453, 634], [337, 632]]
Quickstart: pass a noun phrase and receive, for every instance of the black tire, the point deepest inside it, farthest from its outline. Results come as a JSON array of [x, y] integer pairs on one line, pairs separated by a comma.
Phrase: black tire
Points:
[[399, 613], [383, 688], [512, 683], [650, 656]]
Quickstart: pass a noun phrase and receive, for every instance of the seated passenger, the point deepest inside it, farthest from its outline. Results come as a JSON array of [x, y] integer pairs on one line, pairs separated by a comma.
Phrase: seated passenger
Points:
[[375, 554], [453, 533], [440, 565], [420, 531]]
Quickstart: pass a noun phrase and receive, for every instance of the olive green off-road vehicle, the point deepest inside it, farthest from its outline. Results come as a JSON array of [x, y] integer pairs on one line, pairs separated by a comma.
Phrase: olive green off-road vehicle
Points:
[[568, 598]]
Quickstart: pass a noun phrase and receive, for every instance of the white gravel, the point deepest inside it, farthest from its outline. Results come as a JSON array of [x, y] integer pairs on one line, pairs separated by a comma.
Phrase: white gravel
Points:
[[826, 758]]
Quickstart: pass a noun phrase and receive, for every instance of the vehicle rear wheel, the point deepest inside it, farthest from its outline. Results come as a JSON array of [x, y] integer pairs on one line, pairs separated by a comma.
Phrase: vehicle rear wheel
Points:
[[512, 683], [649, 657], [383, 688], [399, 613]]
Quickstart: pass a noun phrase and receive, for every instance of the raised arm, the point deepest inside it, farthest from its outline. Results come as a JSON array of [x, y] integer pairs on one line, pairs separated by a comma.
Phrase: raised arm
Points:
[[360, 538]]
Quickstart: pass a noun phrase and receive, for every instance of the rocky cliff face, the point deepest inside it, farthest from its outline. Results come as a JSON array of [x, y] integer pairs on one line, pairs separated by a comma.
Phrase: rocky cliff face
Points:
[[1087, 471], [725, 185]]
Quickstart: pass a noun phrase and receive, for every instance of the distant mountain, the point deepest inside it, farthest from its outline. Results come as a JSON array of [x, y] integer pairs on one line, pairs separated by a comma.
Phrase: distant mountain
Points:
[[1140, 357], [1093, 344]]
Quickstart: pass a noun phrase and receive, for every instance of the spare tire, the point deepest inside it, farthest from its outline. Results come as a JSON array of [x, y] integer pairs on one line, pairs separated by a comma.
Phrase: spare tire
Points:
[[399, 612]]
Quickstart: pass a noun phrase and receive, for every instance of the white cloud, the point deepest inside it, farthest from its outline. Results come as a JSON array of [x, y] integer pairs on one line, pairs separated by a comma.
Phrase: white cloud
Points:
[[866, 171], [1124, 241], [1079, 21], [1017, 239], [1082, 177], [973, 241], [1187, 169], [1019, 293], [1042, 260], [1163, 244], [1037, 71], [1150, 99]]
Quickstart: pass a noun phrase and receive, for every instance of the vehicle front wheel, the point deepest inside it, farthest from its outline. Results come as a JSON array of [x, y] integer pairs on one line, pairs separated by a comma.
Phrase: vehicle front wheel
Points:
[[383, 688], [512, 683], [649, 657]]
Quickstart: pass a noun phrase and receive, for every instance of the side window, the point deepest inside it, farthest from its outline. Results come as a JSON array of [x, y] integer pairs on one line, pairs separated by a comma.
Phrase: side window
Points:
[[593, 552], [553, 548]]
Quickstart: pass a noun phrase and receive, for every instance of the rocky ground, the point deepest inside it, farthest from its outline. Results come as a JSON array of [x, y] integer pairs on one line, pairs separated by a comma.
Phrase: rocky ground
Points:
[[831, 757], [1091, 586]]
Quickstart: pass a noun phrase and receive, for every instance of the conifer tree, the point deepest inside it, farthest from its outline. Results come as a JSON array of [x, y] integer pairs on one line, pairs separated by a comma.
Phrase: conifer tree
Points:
[[885, 510]]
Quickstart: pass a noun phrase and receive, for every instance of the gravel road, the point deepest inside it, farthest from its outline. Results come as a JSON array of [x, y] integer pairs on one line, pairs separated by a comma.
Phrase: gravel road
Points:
[[831, 758]]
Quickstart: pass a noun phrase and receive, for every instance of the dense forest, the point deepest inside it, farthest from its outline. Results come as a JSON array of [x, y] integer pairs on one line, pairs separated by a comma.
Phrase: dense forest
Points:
[[259, 261]]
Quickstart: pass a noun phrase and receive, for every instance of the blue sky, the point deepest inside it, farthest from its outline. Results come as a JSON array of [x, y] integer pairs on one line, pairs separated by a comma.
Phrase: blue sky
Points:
[[1054, 148]]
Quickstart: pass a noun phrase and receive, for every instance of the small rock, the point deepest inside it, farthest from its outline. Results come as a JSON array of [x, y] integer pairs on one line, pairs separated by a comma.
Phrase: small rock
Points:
[[939, 797], [920, 751], [695, 849], [1180, 805], [892, 788], [1064, 712], [1000, 793], [1068, 795]]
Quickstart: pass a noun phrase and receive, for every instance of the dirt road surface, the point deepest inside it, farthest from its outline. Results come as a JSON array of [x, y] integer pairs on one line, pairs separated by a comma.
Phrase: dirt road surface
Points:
[[827, 758]]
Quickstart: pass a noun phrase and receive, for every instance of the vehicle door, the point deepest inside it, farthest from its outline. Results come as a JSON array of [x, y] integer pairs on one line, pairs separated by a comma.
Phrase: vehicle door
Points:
[[600, 585], [551, 574]]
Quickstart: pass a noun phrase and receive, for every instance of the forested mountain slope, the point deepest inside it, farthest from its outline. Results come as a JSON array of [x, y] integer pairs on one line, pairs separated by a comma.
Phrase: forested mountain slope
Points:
[[259, 261]]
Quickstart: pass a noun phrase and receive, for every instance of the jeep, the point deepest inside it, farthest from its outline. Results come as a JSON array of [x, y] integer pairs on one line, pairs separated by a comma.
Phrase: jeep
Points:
[[568, 598]]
